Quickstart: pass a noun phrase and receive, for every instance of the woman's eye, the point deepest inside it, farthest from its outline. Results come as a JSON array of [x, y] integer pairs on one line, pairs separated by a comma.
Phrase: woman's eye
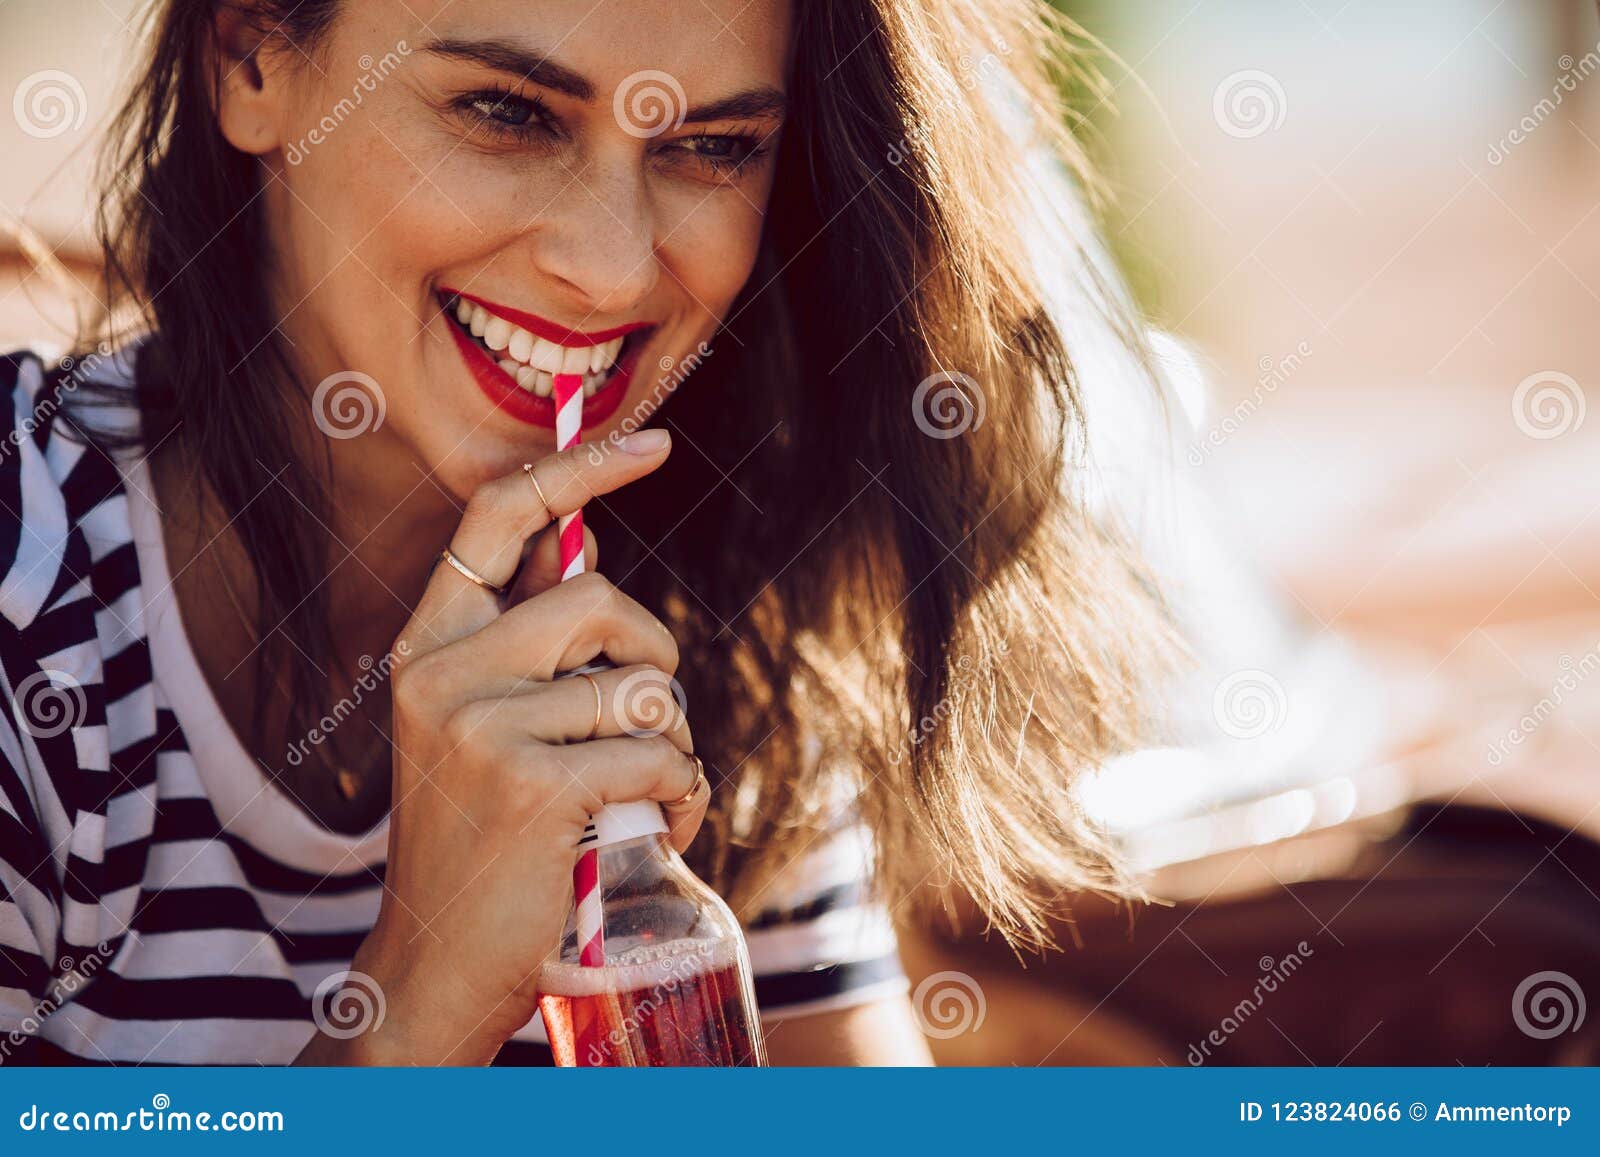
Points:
[[503, 113], [723, 152]]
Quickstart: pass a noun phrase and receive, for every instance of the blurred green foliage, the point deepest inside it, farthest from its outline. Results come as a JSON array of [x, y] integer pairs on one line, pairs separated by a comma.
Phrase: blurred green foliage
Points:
[[1092, 86]]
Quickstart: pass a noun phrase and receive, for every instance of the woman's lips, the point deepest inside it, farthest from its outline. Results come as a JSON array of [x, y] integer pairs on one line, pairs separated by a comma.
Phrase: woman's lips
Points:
[[502, 389], [549, 330], [517, 368]]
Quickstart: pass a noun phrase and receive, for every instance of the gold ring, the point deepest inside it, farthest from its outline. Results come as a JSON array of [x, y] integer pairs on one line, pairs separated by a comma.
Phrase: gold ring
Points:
[[599, 706], [699, 778], [527, 468], [468, 573]]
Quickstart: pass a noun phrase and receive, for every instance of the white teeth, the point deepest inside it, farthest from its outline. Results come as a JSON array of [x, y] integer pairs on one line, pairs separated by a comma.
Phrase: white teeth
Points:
[[497, 334], [546, 356], [534, 361], [575, 361]]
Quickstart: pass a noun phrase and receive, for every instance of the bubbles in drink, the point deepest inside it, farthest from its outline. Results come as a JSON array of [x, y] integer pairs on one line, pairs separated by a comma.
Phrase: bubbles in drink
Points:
[[680, 1003]]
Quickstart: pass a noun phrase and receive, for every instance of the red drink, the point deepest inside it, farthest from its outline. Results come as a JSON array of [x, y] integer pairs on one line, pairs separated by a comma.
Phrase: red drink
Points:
[[681, 1003], [659, 975]]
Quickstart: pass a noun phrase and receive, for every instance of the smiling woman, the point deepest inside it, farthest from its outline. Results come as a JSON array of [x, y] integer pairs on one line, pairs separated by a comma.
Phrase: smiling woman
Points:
[[834, 449]]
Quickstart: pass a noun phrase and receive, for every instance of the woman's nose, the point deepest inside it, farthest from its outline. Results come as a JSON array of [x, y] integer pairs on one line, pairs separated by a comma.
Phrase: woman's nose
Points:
[[599, 240]]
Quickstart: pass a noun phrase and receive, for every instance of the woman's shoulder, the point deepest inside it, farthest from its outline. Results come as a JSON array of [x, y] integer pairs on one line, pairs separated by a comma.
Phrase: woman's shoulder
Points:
[[72, 645], [61, 492], [821, 939]]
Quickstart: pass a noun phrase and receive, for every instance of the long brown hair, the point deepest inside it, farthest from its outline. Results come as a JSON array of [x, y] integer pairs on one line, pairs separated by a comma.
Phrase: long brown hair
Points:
[[893, 591]]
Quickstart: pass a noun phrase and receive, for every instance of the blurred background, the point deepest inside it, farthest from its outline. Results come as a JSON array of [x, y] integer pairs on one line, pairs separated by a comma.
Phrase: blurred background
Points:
[[1370, 231], [1367, 234]]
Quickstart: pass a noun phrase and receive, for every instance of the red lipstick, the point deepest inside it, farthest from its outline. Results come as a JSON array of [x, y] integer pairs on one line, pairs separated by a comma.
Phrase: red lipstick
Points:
[[549, 330], [502, 389], [524, 405]]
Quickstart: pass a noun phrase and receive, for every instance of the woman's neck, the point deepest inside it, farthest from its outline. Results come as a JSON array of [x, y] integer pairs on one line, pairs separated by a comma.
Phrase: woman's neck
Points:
[[380, 546]]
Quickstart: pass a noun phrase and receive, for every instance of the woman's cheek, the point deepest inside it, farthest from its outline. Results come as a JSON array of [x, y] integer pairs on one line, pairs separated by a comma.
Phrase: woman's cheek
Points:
[[714, 245], [358, 192]]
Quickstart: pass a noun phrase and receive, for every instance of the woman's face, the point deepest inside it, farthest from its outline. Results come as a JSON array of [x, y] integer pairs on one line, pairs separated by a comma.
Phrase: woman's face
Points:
[[471, 194]]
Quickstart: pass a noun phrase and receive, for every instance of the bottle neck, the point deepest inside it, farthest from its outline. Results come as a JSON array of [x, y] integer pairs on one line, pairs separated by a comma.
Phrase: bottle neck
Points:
[[617, 822]]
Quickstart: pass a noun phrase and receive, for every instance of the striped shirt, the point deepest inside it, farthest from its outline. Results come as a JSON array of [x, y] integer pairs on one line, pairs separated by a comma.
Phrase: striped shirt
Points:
[[161, 899]]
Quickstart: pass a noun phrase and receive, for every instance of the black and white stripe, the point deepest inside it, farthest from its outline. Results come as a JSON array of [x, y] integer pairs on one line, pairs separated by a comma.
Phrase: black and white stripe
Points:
[[161, 901]]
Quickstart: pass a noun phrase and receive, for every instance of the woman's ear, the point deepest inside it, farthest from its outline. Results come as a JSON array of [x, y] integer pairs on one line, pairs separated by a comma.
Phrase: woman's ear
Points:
[[252, 94]]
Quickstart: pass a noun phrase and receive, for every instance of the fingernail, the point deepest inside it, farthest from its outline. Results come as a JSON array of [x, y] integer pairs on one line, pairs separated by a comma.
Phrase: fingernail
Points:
[[644, 442]]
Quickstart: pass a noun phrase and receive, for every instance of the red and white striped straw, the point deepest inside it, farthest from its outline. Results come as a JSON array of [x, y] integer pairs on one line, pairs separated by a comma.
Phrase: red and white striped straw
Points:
[[589, 920]]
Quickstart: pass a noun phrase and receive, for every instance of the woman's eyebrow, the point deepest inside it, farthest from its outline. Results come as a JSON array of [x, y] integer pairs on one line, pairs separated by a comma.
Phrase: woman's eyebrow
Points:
[[537, 68], [762, 101], [507, 56]]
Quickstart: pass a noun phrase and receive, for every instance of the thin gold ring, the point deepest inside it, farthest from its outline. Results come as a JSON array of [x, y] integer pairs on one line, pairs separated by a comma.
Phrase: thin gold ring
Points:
[[699, 778], [527, 468], [468, 573], [599, 706]]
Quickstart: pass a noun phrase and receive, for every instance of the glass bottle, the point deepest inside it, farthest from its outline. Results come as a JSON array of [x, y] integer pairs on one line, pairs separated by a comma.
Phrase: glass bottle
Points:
[[676, 986]]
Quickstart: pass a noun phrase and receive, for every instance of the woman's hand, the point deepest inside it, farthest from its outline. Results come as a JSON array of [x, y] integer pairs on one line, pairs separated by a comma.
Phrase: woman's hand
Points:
[[495, 769]]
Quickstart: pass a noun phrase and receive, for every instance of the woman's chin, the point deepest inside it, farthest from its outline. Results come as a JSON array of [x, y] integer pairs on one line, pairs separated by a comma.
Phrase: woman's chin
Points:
[[460, 476]]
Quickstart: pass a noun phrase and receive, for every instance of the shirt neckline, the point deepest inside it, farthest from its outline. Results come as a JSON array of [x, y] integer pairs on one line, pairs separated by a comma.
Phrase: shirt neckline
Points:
[[248, 801]]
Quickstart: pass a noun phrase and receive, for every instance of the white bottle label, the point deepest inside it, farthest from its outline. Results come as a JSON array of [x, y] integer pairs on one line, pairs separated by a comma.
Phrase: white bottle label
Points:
[[624, 821]]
